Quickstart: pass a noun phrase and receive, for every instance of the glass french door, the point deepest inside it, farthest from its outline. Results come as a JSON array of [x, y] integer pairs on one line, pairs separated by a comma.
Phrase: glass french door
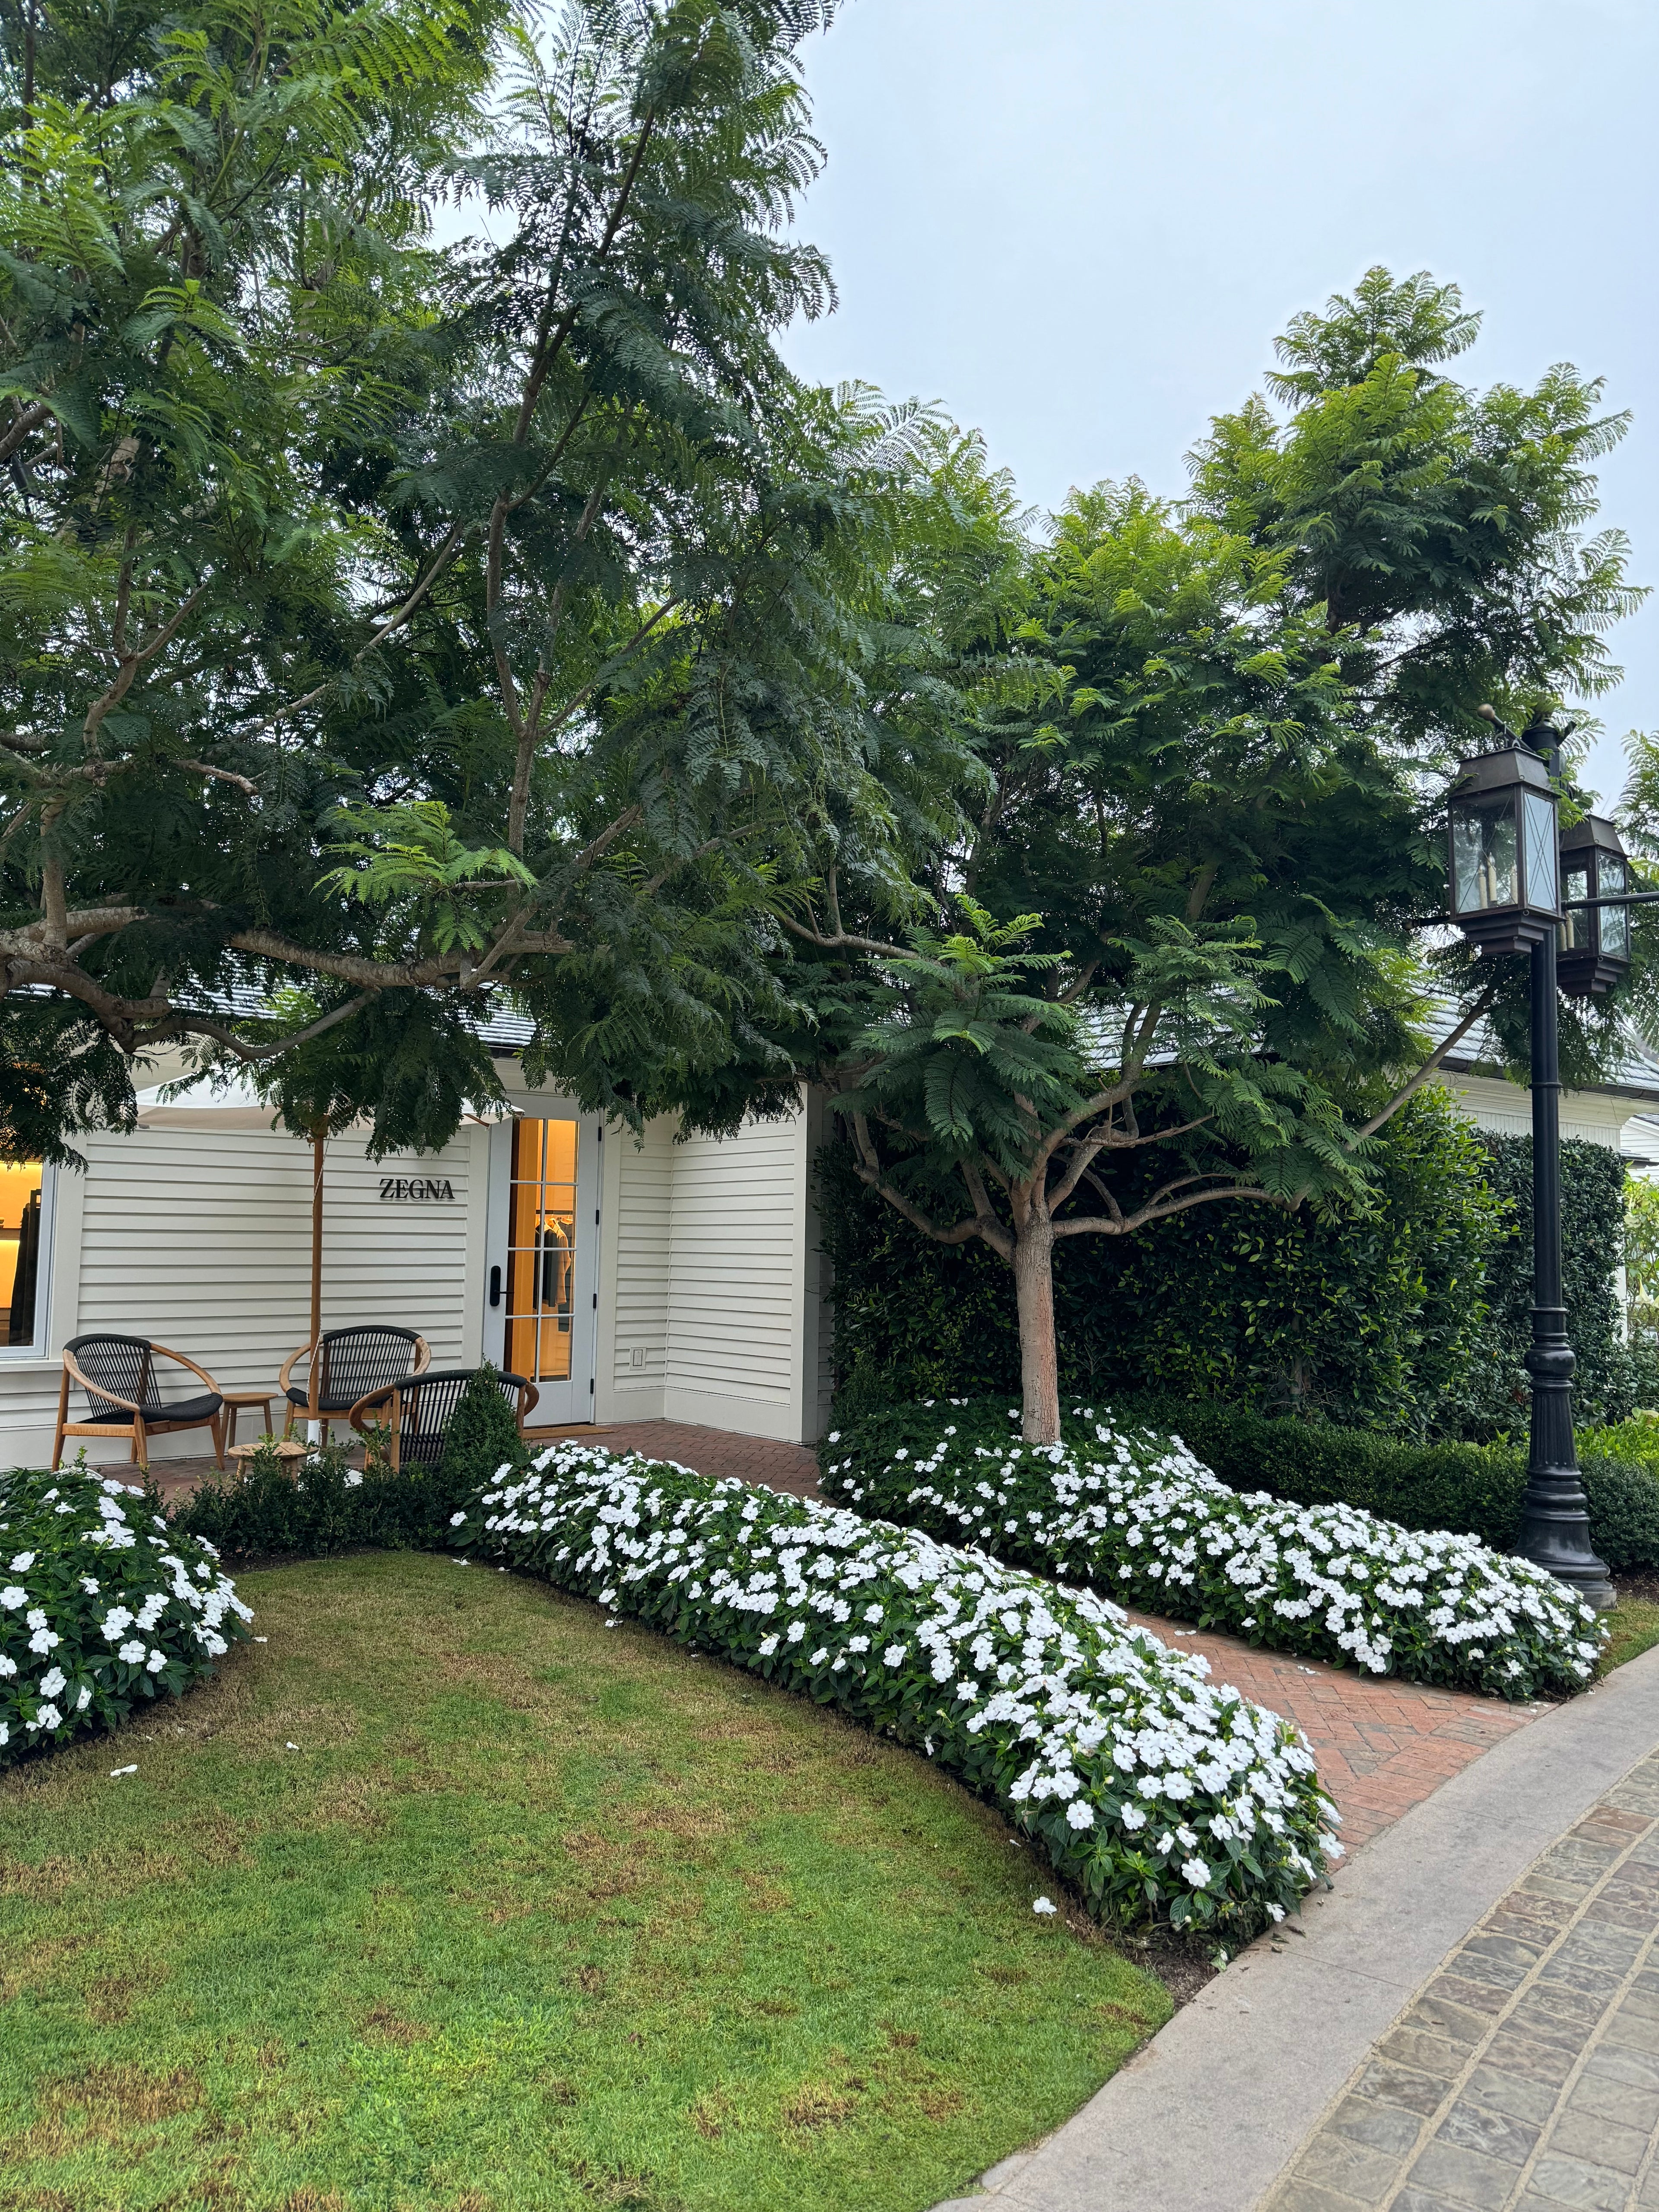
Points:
[[542, 1272]]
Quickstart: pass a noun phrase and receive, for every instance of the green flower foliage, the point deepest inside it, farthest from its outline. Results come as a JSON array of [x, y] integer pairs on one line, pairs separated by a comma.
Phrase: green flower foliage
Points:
[[1133, 1512], [102, 1606], [324, 1507]]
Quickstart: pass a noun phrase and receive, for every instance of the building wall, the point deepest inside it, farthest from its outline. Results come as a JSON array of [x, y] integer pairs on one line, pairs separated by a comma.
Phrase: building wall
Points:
[[1597, 1117]]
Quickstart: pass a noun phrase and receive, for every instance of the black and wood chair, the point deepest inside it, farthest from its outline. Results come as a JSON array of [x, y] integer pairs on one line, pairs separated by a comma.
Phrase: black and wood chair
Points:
[[419, 1410], [355, 1362], [123, 1398]]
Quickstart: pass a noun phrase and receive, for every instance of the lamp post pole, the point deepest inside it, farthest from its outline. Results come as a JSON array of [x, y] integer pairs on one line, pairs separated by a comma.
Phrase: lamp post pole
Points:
[[1554, 1514]]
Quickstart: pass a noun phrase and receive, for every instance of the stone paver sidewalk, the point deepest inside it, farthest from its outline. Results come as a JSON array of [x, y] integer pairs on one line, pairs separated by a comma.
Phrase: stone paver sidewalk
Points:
[[1524, 2075]]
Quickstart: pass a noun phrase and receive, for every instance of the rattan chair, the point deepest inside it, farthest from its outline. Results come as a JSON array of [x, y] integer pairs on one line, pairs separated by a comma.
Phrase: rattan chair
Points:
[[119, 1371], [356, 1362], [420, 1409]]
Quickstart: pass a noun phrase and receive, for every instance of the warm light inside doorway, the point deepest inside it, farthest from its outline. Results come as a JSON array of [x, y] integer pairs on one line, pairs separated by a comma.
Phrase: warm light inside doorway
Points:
[[542, 1250], [20, 1250]]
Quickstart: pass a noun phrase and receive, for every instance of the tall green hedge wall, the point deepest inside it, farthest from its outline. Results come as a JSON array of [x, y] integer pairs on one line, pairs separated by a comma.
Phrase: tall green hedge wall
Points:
[[1410, 1317]]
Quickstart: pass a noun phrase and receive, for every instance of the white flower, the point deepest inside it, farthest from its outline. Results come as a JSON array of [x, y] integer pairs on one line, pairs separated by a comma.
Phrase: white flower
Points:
[[456, 1519], [22, 1563], [53, 1681], [819, 1656], [1079, 1815], [156, 1661], [1195, 1873], [1044, 1904], [47, 1717], [132, 1652], [1132, 1818], [355, 1481], [894, 1655], [768, 1644], [12, 1596], [43, 1641]]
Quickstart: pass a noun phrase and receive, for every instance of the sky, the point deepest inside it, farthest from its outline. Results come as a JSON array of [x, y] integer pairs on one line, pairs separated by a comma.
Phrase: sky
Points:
[[1080, 224]]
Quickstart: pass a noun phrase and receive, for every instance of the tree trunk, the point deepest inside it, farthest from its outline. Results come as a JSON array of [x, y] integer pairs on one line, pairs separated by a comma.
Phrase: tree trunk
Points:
[[1039, 1364]]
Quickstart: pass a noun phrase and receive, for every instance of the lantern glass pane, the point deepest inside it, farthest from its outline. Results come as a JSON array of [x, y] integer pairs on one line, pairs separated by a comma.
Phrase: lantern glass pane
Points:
[[1483, 856], [1539, 814], [1578, 929], [1615, 926], [1613, 874]]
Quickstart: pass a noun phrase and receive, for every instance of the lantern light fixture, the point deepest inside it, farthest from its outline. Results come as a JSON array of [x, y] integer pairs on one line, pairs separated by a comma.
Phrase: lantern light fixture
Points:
[[1505, 882], [1594, 940]]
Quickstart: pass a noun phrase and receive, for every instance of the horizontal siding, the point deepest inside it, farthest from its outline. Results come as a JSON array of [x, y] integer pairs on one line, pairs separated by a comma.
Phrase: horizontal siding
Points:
[[202, 1240], [734, 1261]]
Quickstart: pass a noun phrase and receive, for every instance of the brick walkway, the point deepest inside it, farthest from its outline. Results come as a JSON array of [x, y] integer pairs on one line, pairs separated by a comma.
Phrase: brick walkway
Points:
[[1524, 2077], [1383, 1746]]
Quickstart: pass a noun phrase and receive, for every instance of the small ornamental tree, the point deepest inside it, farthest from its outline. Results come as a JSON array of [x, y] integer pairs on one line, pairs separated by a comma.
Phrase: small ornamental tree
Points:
[[1178, 955]]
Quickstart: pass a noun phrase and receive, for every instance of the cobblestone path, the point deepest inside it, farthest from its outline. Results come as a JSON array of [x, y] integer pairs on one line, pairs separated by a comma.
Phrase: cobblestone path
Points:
[[1524, 2077]]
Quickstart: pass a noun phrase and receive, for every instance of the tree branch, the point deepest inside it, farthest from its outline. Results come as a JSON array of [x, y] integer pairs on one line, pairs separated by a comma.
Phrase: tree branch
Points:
[[1481, 1006]]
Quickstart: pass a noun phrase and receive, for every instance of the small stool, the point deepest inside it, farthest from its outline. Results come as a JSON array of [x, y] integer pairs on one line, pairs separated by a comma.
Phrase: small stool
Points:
[[236, 1399], [290, 1454]]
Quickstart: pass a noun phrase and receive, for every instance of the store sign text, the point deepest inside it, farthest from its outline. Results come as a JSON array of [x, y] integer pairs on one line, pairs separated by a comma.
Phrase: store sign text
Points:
[[429, 1187]]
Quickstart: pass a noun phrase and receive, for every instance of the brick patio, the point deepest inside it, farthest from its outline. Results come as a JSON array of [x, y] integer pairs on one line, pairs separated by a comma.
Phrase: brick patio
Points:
[[1383, 1746]]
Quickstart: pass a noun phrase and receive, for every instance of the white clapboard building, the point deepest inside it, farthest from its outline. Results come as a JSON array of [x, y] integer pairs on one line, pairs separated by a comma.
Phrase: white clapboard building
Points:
[[630, 1279]]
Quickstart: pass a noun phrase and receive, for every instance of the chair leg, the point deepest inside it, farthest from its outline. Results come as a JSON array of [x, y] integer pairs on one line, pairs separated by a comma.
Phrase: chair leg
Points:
[[63, 1416], [217, 1427], [140, 1443]]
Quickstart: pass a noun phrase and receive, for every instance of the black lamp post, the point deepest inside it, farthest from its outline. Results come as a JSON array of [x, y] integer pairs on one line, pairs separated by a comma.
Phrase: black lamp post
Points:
[[1506, 896]]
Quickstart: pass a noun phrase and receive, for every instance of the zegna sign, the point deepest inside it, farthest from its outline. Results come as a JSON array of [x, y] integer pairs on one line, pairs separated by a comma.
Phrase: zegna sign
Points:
[[428, 1189]]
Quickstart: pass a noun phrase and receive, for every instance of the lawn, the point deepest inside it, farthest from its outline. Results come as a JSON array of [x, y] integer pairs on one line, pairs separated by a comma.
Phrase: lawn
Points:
[[1633, 1623], [446, 1895]]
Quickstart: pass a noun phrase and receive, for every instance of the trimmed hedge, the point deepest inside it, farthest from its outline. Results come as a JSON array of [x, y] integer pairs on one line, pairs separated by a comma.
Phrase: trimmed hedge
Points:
[[1132, 1511], [102, 1606], [326, 1507], [1152, 1789]]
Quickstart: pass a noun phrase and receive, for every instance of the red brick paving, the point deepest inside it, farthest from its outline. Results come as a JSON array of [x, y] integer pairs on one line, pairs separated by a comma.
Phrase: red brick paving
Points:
[[1382, 1746]]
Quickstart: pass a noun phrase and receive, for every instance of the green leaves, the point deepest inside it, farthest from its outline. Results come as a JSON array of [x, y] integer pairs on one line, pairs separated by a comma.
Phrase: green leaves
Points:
[[412, 861]]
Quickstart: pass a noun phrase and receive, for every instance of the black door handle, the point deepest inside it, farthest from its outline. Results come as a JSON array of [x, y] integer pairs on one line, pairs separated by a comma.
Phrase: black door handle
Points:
[[494, 1286]]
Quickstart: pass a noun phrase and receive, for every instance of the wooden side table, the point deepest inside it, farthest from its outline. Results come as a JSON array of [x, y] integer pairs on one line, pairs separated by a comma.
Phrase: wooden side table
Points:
[[242, 1454], [235, 1401]]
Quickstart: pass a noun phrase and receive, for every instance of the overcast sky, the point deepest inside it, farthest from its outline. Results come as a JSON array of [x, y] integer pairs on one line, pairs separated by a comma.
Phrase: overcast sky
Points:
[[1080, 223]]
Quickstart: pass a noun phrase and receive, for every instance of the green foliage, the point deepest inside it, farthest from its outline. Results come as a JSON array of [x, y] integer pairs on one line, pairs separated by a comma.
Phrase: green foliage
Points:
[[325, 1507], [1606, 1386], [483, 1437], [98, 1615], [1365, 1313], [1126, 1508]]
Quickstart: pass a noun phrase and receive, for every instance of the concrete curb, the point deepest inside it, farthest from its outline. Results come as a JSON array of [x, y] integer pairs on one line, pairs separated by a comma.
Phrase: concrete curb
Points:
[[1207, 2117]]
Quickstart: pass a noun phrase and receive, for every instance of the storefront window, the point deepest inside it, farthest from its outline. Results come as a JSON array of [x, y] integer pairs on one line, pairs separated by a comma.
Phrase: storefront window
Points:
[[20, 1250], [542, 1250]]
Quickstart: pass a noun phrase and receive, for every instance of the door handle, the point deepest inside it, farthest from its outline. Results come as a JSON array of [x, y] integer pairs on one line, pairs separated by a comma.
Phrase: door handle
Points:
[[494, 1286]]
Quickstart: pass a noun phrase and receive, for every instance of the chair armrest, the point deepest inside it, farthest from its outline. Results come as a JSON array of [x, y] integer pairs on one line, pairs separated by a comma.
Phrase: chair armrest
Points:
[[373, 1398], [422, 1356], [96, 1390], [528, 1397], [161, 1352], [288, 1365]]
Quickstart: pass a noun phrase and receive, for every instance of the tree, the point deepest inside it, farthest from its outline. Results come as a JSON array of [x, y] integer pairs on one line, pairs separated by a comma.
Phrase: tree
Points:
[[1178, 957], [402, 629]]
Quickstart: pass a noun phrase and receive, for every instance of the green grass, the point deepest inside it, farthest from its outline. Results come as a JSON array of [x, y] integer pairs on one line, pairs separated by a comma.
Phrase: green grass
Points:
[[539, 1914], [1632, 1629]]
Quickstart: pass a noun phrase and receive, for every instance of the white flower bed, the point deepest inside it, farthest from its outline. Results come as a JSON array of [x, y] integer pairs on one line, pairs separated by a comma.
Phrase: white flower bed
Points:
[[1136, 1514], [99, 1606], [1152, 1789]]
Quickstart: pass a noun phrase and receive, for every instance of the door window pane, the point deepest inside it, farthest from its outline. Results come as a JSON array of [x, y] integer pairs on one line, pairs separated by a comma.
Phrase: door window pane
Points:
[[540, 1260], [20, 1250]]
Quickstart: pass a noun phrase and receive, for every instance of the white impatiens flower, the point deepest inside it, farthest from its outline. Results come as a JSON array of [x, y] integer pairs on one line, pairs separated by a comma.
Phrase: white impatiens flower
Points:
[[132, 1652], [22, 1563], [12, 1596], [1044, 1904], [53, 1681], [156, 1661], [1194, 1872], [1079, 1815], [43, 1640], [456, 1520]]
